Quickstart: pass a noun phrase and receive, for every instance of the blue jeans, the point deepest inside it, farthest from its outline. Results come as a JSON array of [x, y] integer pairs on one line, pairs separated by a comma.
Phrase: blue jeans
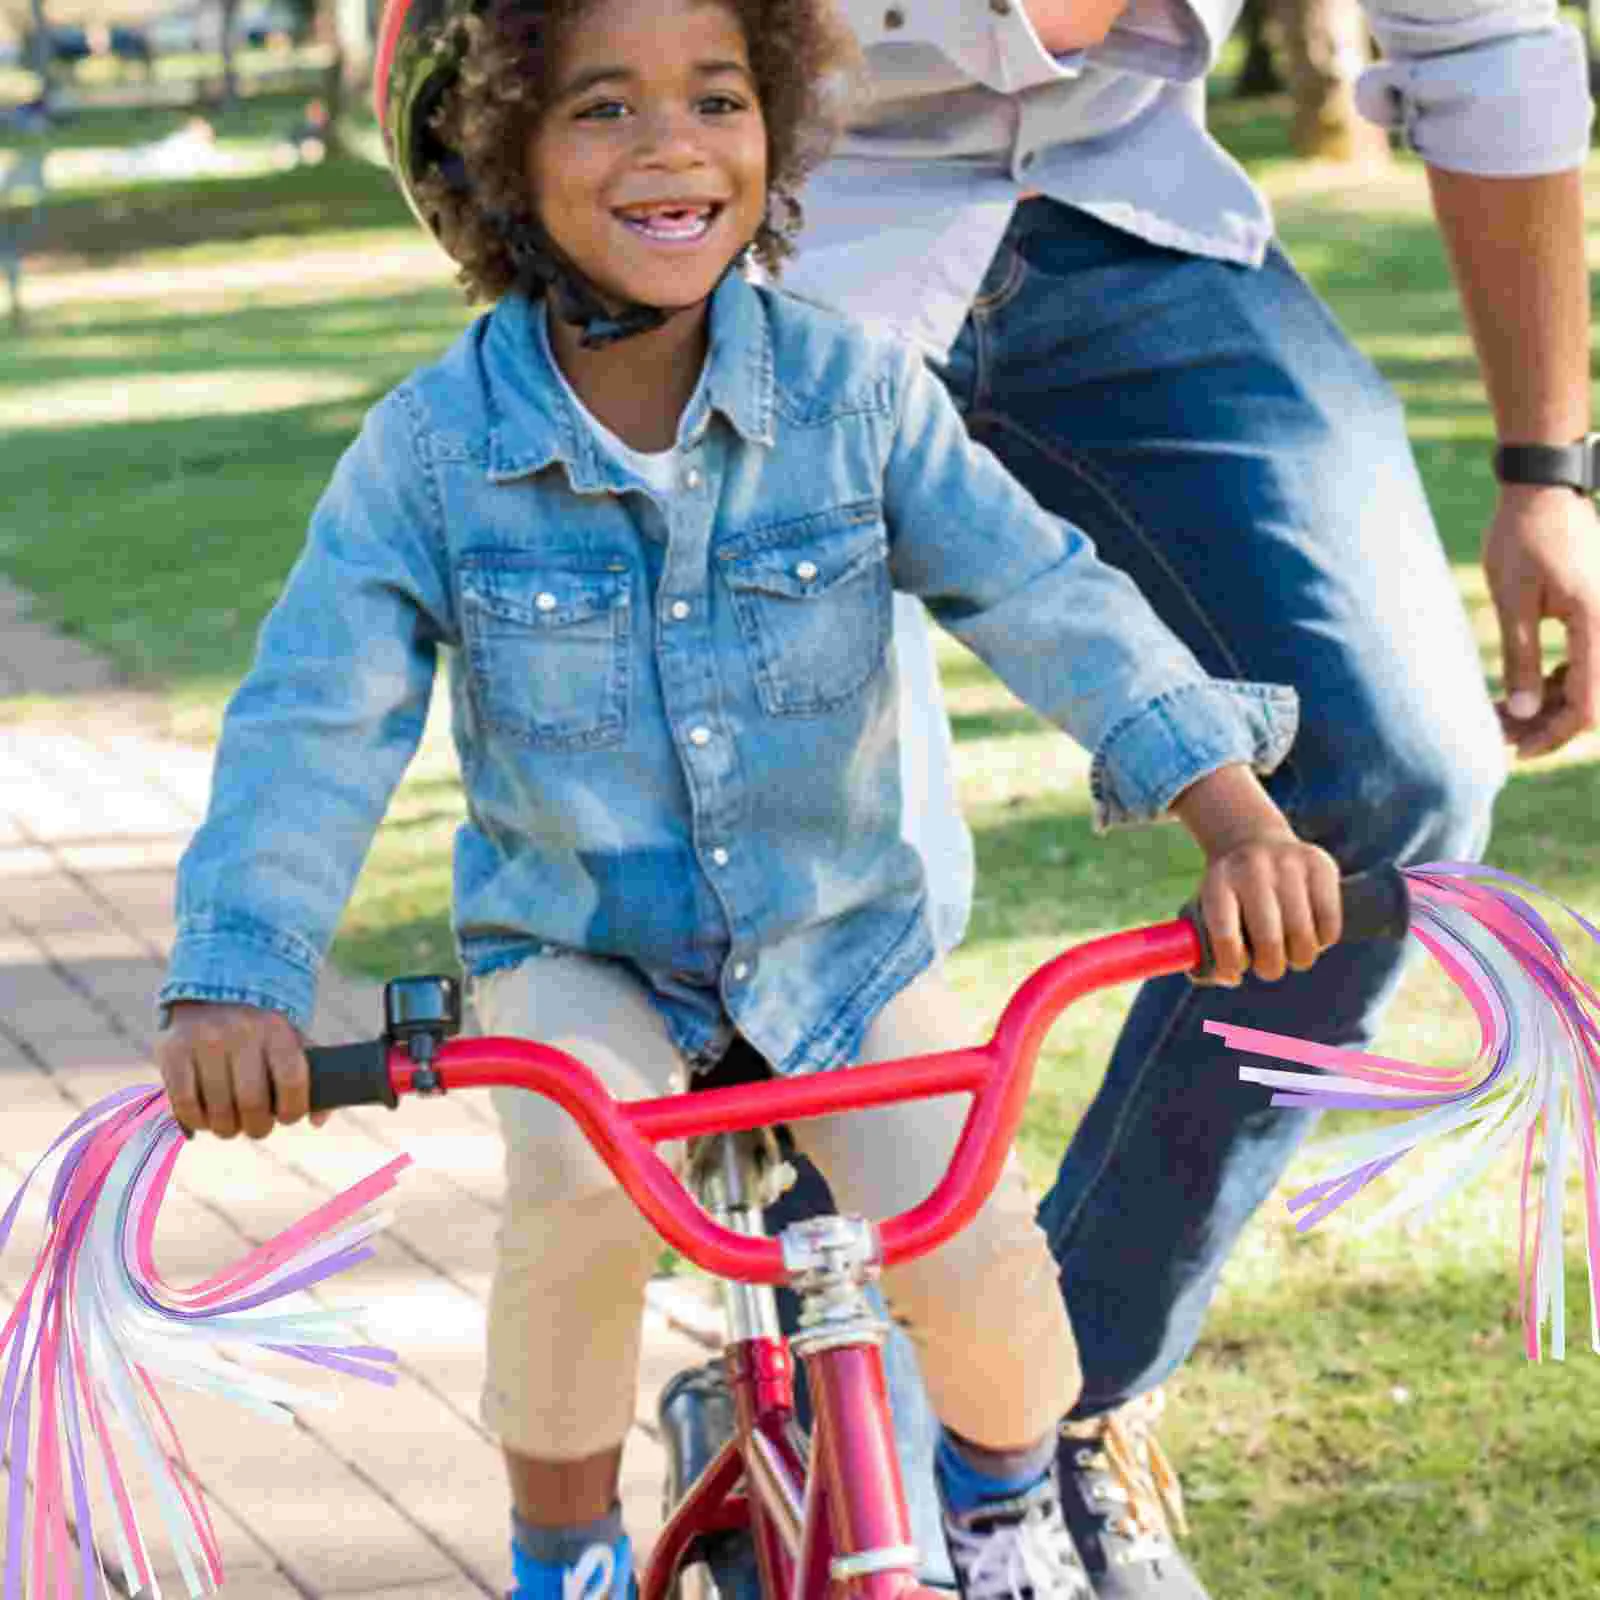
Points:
[[1219, 438]]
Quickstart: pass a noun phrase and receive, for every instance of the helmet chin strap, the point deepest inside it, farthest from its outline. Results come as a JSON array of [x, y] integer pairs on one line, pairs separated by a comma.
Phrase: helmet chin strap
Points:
[[574, 297], [577, 303]]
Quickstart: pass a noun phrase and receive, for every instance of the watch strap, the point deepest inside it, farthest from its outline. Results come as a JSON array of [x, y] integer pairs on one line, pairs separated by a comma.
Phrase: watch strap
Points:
[[1572, 466]]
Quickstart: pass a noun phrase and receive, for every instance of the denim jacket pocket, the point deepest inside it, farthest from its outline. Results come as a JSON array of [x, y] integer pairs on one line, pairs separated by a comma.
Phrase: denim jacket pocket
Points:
[[547, 643], [813, 600]]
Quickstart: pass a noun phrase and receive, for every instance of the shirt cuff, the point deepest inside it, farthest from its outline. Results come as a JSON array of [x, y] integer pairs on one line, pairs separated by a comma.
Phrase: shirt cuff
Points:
[[1511, 107], [1149, 759], [234, 961], [1018, 59]]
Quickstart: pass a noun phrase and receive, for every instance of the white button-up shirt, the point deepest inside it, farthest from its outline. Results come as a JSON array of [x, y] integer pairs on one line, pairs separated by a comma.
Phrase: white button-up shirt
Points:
[[968, 109]]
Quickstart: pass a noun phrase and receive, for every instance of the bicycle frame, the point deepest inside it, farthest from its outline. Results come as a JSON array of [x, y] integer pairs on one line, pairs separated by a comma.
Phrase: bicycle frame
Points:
[[831, 1519]]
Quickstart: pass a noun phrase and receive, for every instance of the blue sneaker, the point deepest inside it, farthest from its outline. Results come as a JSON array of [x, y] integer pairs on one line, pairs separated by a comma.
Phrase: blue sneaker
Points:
[[603, 1571]]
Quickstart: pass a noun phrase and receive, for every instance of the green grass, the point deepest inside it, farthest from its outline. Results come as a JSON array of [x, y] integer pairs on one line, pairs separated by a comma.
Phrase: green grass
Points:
[[97, 87], [184, 517], [1358, 1421], [259, 116], [218, 213]]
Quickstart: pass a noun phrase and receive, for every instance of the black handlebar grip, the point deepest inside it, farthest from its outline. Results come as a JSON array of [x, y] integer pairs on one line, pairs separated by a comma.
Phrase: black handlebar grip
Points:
[[1377, 905], [350, 1075]]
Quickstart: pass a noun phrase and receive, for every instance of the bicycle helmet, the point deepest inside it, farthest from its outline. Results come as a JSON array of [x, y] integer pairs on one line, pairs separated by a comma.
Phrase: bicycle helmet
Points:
[[418, 57]]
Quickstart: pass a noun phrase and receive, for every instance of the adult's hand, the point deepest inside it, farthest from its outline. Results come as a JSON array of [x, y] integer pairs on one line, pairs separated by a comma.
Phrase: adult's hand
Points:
[[1541, 557]]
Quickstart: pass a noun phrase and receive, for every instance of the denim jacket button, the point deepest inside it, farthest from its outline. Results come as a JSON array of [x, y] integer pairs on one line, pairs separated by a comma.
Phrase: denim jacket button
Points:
[[806, 571], [680, 609], [741, 971], [546, 601], [700, 737], [692, 478], [719, 856]]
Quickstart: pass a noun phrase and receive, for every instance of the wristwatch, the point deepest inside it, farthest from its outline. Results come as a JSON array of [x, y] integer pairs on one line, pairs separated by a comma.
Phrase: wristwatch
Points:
[[1574, 466]]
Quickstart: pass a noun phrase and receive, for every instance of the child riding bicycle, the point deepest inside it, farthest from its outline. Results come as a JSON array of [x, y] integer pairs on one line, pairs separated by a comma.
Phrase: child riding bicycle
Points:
[[656, 514]]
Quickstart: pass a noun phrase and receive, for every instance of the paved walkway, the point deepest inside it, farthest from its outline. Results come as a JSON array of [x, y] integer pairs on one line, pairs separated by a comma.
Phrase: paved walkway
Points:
[[399, 1492]]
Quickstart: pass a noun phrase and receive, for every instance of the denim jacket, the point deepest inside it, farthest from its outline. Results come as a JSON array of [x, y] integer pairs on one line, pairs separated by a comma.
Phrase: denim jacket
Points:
[[675, 715]]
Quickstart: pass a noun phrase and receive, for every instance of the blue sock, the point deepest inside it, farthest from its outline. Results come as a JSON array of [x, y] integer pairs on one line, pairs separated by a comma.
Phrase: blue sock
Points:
[[966, 1487], [543, 1557]]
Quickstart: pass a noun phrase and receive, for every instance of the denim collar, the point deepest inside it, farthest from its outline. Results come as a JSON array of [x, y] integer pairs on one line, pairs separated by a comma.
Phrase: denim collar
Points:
[[533, 423]]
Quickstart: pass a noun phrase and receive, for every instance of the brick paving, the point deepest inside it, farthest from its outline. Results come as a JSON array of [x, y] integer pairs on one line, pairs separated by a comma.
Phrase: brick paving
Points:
[[397, 1493]]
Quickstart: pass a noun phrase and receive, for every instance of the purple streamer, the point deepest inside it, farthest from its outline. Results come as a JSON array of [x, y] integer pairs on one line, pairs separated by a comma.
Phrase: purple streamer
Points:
[[348, 1257], [338, 1362], [144, 1138], [19, 1479], [80, 1488]]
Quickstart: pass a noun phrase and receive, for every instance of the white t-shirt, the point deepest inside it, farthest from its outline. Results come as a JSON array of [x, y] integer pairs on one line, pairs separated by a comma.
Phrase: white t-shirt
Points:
[[658, 468], [931, 819]]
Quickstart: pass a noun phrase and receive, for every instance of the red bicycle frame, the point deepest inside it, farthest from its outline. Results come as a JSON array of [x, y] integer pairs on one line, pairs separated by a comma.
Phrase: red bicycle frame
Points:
[[835, 1522]]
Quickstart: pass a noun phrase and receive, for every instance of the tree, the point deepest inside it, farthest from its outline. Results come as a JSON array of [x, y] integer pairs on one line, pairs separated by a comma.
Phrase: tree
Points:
[[355, 25], [1259, 75], [230, 69], [322, 23], [40, 40], [1325, 47]]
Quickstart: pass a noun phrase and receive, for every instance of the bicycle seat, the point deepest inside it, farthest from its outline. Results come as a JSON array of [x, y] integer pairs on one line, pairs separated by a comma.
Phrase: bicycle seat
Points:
[[741, 1064]]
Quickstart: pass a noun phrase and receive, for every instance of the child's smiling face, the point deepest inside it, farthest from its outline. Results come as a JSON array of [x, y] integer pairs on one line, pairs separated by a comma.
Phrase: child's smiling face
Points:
[[648, 166]]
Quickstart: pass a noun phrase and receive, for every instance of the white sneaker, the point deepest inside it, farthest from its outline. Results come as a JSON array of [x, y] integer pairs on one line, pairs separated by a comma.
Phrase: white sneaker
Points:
[[1016, 1549]]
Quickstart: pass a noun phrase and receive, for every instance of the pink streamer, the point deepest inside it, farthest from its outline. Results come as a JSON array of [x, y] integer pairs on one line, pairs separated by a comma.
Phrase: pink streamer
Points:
[[95, 1313], [1538, 1058]]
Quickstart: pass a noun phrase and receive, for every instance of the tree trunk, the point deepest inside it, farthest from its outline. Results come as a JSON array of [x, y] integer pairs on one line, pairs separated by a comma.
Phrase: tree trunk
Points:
[[325, 31], [230, 70], [1325, 48], [353, 24], [1259, 75], [41, 54]]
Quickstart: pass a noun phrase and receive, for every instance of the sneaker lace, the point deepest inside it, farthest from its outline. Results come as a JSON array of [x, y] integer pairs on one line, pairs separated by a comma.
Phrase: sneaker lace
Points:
[[1029, 1558], [1121, 1446], [593, 1576]]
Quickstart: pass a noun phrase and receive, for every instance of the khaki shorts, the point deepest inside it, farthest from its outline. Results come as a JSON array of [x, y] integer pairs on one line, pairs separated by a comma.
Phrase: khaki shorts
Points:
[[984, 1310]]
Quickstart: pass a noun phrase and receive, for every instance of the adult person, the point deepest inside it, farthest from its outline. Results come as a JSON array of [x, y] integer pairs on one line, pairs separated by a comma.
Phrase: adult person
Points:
[[1029, 193]]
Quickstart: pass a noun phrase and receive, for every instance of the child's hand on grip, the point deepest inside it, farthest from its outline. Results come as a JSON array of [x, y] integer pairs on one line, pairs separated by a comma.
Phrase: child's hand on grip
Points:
[[1280, 894], [1270, 901], [231, 1068]]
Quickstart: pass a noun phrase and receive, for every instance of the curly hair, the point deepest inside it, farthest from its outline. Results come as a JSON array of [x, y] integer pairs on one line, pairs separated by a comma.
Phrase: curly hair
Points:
[[803, 59]]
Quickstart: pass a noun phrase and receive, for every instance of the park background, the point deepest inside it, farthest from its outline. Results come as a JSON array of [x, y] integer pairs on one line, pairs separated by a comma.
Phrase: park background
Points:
[[197, 337]]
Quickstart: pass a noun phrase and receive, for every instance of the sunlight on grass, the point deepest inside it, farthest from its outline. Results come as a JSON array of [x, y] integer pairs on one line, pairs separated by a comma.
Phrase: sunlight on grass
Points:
[[1465, 395], [1430, 347], [91, 167], [1460, 425], [166, 397], [202, 279]]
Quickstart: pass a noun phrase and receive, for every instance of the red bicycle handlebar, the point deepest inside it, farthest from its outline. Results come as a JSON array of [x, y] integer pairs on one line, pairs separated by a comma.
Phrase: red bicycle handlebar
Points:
[[998, 1075]]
